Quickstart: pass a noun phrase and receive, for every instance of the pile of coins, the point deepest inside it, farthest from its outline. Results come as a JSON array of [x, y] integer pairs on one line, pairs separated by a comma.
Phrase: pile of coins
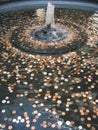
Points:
[[40, 92]]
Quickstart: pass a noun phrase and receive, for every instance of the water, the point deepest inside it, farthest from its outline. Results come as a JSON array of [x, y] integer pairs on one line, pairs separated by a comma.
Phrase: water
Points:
[[50, 15], [49, 33], [40, 92]]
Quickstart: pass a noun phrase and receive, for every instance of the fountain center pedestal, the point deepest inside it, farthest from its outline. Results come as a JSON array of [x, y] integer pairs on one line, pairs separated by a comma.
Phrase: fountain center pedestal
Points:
[[49, 34]]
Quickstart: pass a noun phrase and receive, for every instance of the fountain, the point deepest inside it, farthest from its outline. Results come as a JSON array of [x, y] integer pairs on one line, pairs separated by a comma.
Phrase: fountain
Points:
[[50, 15], [48, 66], [49, 33], [49, 39]]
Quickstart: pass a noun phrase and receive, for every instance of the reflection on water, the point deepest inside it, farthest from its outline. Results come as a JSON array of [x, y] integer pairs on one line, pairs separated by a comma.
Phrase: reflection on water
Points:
[[40, 92]]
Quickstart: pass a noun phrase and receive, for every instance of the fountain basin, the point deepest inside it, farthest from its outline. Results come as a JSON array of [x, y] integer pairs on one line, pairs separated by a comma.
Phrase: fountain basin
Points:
[[78, 4], [48, 92], [76, 37]]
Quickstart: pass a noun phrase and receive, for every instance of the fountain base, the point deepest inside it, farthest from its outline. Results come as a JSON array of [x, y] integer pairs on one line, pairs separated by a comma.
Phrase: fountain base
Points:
[[49, 34], [36, 39]]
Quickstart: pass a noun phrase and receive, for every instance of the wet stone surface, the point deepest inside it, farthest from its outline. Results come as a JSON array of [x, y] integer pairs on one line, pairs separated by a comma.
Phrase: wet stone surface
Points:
[[45, 92]]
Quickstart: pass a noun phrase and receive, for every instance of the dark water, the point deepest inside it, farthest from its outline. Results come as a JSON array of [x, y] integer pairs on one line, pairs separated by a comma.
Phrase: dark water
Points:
[[40, 92]]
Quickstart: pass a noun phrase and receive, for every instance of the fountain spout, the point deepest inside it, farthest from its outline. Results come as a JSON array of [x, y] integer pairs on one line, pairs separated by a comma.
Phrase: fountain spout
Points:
[[49, 33], [50, 15]]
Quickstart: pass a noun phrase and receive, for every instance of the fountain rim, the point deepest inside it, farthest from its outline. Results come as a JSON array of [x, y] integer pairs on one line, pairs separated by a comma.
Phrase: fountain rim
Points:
[[14, 6]]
